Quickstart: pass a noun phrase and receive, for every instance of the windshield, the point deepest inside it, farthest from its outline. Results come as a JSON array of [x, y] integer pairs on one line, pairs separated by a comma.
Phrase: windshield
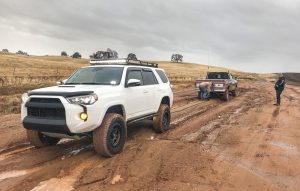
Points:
[[97, 75]]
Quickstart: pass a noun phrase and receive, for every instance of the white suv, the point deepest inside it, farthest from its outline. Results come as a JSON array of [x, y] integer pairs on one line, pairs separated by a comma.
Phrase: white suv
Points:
[[99, 100]]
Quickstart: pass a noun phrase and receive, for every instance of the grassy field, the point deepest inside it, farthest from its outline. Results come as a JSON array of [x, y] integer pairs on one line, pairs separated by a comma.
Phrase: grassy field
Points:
[[20, 73]]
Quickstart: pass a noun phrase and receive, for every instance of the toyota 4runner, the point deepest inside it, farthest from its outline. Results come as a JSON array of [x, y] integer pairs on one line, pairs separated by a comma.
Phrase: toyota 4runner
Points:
[[99, 101]]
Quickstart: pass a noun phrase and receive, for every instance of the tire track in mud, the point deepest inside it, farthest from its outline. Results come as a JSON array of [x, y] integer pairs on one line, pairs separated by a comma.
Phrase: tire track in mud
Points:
[[201, 135], [184, 113], [195, 116], [279, 182]]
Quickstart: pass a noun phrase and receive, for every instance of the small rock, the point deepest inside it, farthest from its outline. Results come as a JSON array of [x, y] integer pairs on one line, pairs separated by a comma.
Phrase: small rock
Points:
[[151, 138], [117, 179]]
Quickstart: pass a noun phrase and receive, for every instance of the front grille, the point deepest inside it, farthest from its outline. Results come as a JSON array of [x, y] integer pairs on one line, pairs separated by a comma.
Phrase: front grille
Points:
[[49, 108], [45, 100]]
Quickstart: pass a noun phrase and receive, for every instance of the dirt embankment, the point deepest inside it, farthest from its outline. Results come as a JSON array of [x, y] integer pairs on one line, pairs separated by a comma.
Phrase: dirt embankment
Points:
[[293, 78], [244, 144]]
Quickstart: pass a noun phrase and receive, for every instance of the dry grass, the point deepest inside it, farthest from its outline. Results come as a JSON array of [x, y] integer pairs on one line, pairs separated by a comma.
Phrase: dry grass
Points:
[[20, 73]]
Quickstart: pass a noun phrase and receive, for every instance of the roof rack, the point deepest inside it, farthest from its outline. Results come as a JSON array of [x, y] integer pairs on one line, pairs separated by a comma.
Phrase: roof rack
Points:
[[122, 61]]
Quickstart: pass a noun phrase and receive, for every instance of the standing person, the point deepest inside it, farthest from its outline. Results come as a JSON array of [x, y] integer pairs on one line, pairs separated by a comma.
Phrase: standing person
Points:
[[279, 87], [205, 89]]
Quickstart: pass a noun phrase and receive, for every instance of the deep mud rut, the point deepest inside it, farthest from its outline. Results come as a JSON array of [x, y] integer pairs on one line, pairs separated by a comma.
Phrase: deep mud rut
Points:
[[246, 143]]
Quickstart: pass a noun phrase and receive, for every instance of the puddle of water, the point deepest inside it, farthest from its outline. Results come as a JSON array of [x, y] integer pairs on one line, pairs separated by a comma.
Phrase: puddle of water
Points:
[[65, 183], [55, 184], [237, 111], [290, 149], [78, 150], [65, 140], [12, 174]]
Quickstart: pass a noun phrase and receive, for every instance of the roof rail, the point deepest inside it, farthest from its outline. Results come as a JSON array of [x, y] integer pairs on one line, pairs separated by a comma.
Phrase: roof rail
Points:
[[122, 61]]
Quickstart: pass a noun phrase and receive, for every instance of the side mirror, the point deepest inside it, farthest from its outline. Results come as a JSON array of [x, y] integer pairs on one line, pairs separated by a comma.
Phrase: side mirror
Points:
[[62, 82], [133, 82]]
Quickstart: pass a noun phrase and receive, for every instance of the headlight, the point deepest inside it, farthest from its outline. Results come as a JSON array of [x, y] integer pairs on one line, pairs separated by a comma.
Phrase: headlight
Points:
[[84, 100], [24, 97]]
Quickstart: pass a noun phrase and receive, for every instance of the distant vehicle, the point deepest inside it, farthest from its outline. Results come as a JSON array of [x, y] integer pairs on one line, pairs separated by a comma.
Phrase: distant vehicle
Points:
[[99, 101], [223, 84]]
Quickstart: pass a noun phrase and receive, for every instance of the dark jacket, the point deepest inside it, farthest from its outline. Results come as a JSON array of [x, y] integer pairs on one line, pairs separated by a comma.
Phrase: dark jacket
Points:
[[279, 85]]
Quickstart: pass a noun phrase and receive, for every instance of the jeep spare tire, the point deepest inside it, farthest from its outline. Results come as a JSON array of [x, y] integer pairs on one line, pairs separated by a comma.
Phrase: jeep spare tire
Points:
[[161, 123], [109, 139], [40, 140]]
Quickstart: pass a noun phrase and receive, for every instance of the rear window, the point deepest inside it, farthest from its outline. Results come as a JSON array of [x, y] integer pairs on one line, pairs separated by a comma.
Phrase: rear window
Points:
[[149, 78], [162, 76], [217, 75]]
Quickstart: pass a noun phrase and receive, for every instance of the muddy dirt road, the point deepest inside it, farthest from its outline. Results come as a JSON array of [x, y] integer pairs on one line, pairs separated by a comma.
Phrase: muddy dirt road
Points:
[[244, 144]]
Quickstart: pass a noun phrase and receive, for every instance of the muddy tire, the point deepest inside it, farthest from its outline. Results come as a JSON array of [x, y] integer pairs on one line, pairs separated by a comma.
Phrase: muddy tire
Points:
[[226, 96], [109, 139], [161, 123], [236, 92], [40, 140], [199, 95]]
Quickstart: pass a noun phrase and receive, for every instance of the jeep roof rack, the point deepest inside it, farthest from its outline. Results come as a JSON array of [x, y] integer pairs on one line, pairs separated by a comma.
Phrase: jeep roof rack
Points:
[[122, 61]]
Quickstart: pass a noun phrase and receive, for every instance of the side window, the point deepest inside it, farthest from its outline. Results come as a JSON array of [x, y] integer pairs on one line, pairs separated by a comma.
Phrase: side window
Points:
[[162, 76], [148, 77], [134, 74]]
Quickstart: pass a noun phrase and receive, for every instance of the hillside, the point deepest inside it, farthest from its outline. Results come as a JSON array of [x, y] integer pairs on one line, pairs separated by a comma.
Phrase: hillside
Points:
[[20, 65], [20, 73], [292, 78]]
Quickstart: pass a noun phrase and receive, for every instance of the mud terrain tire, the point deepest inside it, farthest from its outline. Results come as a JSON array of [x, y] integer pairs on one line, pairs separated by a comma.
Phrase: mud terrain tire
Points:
[[236, 92], [40, 140], [226, 96], [161, 123], [199, 95], [109, 139]]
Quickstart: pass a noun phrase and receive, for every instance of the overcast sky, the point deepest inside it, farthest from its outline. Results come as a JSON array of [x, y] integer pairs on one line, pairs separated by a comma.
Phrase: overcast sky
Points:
[[258, 35]]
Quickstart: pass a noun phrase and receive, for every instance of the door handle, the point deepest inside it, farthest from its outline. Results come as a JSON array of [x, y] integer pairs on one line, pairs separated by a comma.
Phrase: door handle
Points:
[[146, 91]]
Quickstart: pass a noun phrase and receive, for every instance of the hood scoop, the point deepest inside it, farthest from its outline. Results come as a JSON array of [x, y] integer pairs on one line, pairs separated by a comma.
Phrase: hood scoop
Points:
[[64, 94]]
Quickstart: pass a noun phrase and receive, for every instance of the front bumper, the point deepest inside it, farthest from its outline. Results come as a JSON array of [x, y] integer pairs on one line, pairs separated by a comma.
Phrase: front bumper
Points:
[[46, 125], [68, 122]]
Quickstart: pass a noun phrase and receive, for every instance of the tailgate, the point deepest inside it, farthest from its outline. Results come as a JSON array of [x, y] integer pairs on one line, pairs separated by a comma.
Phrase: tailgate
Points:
[[217, 84]]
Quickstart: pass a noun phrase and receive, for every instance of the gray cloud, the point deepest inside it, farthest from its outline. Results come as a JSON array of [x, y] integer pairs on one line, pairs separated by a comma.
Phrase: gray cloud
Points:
[[260, 36]]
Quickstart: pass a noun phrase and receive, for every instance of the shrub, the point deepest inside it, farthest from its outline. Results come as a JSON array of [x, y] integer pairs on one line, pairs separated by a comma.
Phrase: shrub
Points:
[[176, 58], [76, 55], [63, 53]]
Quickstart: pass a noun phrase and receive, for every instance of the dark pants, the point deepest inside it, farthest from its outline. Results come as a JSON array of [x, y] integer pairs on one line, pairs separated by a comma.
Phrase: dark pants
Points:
[[204, 93], [278, 93]]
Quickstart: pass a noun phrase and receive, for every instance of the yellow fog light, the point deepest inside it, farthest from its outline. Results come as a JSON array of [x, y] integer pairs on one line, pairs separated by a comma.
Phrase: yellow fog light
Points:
[[83, 116]]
